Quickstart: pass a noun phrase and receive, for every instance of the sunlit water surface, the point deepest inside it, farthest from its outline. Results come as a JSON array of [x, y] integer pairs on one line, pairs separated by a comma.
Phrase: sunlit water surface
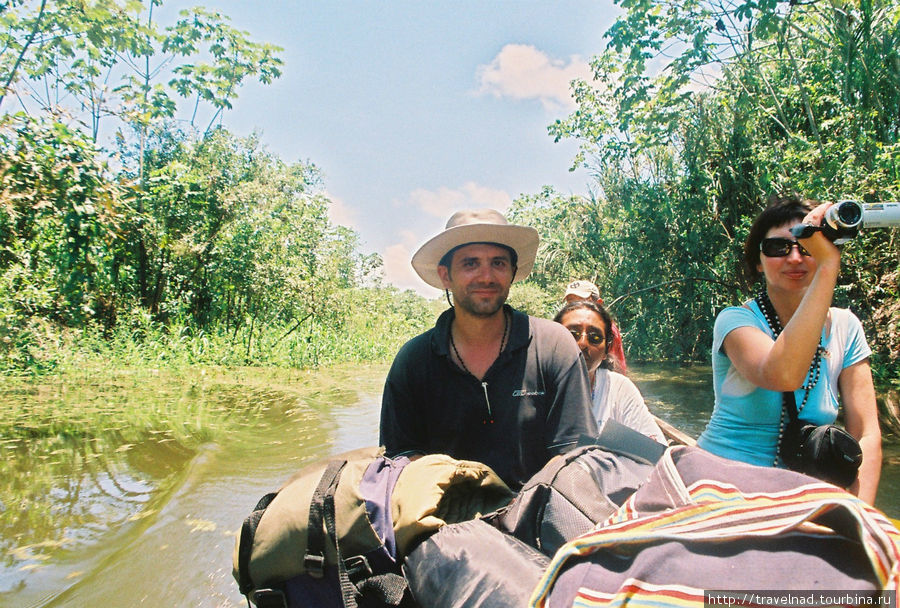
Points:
[[101, 523]]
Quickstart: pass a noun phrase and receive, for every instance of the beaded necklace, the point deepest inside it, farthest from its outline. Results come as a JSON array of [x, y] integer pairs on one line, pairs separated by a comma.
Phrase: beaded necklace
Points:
[[765, 305], [502, 343]]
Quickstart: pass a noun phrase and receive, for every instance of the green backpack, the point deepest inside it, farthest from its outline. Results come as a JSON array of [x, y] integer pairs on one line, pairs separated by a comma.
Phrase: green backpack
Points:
[[336, 533]]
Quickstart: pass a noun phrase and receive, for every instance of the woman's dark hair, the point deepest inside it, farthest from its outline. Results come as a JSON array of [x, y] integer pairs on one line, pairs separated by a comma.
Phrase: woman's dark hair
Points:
[[607, 363], [780, 211]]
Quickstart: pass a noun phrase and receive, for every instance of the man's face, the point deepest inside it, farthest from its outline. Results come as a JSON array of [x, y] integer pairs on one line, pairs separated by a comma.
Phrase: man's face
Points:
[[479, 278]]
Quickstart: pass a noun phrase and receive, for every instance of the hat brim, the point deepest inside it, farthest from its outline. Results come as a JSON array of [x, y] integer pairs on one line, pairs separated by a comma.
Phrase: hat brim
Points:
[[521, 239]]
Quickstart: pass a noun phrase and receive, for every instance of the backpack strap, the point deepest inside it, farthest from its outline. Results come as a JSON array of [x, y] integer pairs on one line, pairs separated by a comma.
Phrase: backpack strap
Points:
[[348, 591], [314, 560], [245, 546], [388, 587]]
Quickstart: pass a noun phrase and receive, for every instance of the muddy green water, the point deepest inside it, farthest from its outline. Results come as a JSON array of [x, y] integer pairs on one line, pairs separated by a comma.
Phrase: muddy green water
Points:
[[116, 522]]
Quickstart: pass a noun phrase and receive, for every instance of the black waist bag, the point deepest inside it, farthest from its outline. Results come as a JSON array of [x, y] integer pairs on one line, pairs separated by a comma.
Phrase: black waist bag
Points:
[[570, 495], [826, 452]]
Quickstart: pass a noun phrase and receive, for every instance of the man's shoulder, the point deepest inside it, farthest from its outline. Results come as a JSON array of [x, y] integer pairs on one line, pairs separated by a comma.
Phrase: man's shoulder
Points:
[[417, 344], [547, 329], [552, 341]]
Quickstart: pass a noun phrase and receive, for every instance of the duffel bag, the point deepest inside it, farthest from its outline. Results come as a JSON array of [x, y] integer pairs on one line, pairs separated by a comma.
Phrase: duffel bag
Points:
[[706, 531], [570, 495]]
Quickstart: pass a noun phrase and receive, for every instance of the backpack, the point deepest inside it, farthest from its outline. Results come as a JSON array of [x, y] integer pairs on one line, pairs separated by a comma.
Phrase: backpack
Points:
[[707, 531], [570, 495], [336, 532]]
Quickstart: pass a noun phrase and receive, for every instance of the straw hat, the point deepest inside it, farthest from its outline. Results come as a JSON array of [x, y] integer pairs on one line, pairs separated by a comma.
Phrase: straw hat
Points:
[[476, 226]]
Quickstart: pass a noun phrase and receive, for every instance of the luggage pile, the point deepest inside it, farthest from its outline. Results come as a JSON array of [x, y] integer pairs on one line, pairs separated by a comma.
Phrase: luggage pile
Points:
[[594, 527]]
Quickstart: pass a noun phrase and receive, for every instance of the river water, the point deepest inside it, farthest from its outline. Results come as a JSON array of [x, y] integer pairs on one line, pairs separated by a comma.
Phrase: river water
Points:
[[153, 524]]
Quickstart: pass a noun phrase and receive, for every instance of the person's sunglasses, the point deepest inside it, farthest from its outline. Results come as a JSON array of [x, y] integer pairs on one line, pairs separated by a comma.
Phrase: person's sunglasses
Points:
[[592, 337], [777, 247]]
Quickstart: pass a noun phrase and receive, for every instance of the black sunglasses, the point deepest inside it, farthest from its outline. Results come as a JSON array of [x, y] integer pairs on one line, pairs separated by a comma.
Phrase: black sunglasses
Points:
[[777, 247], [592, 336]]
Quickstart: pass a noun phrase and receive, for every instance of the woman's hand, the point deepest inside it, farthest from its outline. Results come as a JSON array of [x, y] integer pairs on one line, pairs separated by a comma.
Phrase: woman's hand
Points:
[[824, 252]]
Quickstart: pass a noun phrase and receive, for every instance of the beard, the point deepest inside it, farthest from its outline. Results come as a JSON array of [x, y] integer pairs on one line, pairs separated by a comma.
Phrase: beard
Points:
[[480, 306]]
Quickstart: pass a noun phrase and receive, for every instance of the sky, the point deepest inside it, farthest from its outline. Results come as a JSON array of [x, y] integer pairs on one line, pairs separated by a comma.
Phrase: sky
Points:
[[414, 110]]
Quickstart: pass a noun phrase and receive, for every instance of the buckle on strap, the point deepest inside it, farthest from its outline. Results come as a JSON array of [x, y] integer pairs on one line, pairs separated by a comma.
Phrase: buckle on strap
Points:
[[357, 567], [269, 598], [314, 565]]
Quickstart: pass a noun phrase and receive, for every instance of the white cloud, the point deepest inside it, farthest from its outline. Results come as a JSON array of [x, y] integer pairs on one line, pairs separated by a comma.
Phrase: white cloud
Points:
[[341, 213], [444, 201], [522, 71], [398, 270]]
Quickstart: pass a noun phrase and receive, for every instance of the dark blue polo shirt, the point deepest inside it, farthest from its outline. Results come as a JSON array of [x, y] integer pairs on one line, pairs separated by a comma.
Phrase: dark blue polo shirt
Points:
[[533, 403]]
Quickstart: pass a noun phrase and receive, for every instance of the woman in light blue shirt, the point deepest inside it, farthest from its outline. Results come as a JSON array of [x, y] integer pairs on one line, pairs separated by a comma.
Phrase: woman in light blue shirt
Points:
[[821, 353]]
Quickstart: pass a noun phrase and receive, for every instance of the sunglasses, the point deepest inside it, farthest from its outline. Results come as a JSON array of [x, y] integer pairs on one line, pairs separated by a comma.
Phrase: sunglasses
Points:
[[592, 336], [778, 247]]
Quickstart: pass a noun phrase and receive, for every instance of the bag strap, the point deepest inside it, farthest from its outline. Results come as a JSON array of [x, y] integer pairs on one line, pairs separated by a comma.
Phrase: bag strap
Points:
[[321, 509], [245, 545], [789, 404], [348, 591], [388, 587], [314, 559]]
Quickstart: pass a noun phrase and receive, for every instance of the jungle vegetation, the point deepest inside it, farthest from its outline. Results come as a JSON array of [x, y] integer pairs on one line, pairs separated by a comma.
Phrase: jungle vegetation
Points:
[[699, 111], [133, 223]]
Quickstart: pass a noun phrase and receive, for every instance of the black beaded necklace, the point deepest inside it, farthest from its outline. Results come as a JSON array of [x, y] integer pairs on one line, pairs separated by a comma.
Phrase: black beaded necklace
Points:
[[765, 305], [502, 343]]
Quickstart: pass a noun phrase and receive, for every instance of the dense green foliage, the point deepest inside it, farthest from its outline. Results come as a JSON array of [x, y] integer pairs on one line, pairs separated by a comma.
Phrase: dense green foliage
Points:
[[220, 254], [133, 224], [168, 243], [698, 111]]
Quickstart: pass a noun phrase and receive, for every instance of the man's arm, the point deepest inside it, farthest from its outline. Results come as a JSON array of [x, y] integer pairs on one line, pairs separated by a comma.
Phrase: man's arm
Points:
[[400, 431], [570, 413]]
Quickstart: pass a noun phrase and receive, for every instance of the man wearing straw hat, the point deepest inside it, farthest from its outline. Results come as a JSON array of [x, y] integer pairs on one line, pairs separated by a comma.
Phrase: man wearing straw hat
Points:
[[486, 383]]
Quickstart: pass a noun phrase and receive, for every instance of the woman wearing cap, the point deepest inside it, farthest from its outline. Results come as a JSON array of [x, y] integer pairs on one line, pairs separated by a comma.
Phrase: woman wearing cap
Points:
[[487, 382], [612, 394], [585, 290], [819, 354]]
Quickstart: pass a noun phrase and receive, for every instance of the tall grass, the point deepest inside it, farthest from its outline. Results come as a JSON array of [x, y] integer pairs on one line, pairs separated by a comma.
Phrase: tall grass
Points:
[[363, 333]]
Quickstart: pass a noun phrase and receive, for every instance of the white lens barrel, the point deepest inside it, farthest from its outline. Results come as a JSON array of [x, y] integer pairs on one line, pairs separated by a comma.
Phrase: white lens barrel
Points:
[[881, 215]]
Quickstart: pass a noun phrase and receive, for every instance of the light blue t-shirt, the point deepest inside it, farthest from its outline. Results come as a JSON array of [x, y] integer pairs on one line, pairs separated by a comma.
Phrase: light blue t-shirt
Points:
[[744, 424]]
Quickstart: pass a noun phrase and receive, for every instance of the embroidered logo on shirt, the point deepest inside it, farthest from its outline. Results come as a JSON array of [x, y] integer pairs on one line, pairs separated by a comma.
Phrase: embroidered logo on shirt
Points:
[[526, 393]]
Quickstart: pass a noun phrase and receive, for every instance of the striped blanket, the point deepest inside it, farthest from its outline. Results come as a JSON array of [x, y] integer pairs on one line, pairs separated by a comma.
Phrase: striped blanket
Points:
[[704, 531]]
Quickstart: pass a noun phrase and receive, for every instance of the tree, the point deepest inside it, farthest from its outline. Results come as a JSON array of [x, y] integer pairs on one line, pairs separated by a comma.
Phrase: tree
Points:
[[109, 58], [698, 110]]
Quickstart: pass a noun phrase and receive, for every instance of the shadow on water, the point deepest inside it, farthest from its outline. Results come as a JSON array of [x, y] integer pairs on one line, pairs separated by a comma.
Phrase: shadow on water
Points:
[[114, 522]]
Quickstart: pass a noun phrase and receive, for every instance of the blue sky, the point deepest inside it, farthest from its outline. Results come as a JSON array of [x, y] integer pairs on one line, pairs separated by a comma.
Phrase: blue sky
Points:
[[413, 110]]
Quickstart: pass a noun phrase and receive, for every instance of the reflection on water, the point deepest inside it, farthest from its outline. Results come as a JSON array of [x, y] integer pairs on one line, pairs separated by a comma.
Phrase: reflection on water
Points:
[[119, 521], [683, 396], [72, 510]]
